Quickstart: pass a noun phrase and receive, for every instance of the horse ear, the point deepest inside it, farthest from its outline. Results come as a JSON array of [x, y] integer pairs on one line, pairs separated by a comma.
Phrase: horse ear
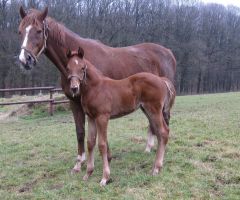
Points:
[[22, 12], [80, 52], [69, 53], [43, 14]]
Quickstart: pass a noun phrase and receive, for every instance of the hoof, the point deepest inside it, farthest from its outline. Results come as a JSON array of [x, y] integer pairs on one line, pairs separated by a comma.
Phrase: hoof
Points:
[[85, 178], [155, 172], [75, 171], [147, 150], [103, 182]]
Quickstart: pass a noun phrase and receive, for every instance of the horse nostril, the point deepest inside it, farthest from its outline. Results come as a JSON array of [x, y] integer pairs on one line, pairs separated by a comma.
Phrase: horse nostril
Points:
[[29, 58]]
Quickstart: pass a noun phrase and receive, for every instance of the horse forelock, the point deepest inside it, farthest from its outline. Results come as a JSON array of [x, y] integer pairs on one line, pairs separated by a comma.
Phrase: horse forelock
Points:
[[31, 18]]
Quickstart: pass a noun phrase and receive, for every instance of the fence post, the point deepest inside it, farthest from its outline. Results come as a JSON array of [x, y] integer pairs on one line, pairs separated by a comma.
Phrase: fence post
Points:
[[51, 102]]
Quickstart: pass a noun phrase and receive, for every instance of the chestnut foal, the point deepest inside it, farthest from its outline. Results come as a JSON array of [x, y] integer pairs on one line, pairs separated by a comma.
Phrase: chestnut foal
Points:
[[103, 98]]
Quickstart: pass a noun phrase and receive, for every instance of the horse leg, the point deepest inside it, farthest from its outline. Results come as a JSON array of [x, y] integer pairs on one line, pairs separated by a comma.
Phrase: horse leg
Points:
[[91, 141], [150, 140], [101, 123], [162, 133], [79, 118], [150, 137]]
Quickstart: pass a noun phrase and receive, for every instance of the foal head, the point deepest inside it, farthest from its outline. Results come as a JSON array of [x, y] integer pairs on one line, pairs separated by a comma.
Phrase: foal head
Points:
[[33, 32], [76, 69]]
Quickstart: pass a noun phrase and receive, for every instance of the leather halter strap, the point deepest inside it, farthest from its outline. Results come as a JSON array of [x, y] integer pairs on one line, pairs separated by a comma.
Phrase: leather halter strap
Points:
[[45, 36], [83, 78]]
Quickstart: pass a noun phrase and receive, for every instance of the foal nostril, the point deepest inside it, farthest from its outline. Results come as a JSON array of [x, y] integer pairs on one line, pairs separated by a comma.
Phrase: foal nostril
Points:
[[74, 89]]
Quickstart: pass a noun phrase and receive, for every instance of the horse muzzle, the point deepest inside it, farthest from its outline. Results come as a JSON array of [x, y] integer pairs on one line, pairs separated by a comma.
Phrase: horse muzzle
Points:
[[27, 61]]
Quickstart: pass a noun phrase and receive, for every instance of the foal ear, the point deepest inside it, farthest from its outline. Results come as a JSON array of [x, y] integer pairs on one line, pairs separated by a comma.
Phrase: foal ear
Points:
[[80, 52], [69, 53], [43, 14], [22, 12]]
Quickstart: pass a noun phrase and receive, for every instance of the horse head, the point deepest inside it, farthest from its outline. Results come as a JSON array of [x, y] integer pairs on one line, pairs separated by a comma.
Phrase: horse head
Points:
[[33, 32], [76, 69]]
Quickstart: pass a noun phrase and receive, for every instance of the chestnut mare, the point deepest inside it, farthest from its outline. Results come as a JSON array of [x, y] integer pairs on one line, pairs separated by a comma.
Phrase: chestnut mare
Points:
[[103, 98], [40, 34]]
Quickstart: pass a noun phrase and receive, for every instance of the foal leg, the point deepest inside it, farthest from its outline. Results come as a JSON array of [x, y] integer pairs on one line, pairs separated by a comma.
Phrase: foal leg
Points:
[[150, 137], [91, 141], [150, 140], [79, 118], [162, 133], [166, 116], [101, 123]]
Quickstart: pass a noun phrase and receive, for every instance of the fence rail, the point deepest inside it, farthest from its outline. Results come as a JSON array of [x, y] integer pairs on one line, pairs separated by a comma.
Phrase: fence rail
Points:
[[51, 99]]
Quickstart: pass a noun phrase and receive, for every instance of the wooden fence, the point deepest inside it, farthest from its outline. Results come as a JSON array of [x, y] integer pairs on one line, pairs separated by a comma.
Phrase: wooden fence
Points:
[[51, 99]]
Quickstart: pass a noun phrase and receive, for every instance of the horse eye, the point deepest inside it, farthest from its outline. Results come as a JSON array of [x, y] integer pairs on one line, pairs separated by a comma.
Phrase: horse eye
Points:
[[39, 31], [19, 32]]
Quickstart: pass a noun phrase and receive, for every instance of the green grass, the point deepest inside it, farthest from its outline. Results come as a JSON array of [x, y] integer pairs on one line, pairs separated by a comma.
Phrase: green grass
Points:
[[202, 160]]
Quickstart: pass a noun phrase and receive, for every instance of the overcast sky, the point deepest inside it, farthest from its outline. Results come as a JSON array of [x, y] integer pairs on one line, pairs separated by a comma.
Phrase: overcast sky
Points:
[[224, 2]]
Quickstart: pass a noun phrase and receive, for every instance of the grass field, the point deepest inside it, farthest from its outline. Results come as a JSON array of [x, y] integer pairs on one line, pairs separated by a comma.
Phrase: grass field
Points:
[[202, 160]]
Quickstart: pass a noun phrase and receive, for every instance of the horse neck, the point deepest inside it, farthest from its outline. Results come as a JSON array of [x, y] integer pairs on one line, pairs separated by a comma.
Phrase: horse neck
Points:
[[58, 44]]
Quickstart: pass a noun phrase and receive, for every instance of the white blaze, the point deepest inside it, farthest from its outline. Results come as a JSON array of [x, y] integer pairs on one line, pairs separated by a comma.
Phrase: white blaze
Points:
[[24, 45], [76, 61]]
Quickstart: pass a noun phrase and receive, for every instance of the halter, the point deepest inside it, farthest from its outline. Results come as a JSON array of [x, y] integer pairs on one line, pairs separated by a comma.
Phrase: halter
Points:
[[83, 78], [45, 36]]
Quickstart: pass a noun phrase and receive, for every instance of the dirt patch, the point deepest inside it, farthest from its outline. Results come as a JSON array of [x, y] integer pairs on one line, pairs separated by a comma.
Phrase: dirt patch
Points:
[[28, 186], [138, 139], [16, 111], [56, 186], [226, 179]]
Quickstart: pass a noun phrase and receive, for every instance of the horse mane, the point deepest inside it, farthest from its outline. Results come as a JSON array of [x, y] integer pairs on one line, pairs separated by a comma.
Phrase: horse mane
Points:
[[63, 36], [56, 31]]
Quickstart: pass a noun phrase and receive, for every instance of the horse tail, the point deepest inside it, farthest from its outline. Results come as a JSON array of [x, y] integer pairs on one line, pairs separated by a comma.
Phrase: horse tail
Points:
[[169, 99]]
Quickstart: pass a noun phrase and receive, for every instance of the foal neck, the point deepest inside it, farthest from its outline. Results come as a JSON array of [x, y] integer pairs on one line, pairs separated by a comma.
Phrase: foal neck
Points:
[[94, 76]]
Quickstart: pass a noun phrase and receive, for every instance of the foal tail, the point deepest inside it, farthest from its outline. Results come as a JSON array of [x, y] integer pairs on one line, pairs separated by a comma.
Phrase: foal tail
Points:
[[169, 99]]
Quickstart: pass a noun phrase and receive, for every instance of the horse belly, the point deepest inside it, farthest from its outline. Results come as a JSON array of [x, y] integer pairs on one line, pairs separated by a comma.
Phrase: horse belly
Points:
[[124, 107], [120, 114]]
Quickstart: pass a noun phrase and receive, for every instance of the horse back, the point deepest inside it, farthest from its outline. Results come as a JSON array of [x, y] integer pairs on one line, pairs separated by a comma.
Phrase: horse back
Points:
[[122, 62]]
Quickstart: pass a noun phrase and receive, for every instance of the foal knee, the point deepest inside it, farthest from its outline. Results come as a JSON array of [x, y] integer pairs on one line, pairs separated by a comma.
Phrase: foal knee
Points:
[[165, 135], [90, 145], [102, 146]]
